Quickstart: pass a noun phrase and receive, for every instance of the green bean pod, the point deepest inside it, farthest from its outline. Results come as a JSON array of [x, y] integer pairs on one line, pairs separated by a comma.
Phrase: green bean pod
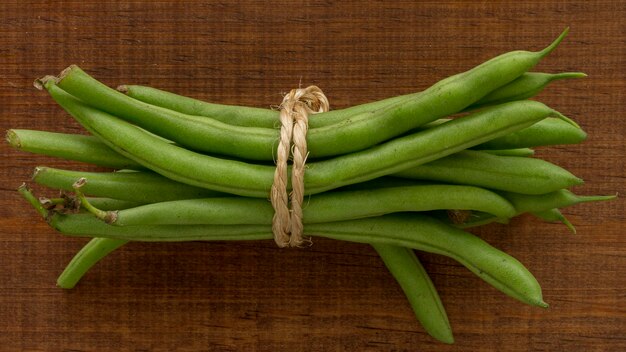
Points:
[[112, 203], [67, 146], [412, 231], [526, 86], [507, 173], [559, 199], [446, 97], [242, 115], [406, 268], [327, 207], [549, 131], [142, 187], [252, 180], [541, 205]]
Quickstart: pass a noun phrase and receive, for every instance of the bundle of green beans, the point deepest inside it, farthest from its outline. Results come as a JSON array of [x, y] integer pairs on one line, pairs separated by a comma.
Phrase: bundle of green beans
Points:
[[397, 174]]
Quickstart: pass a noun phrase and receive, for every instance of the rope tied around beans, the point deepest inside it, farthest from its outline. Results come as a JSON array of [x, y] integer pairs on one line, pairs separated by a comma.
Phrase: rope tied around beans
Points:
[[294, 118]]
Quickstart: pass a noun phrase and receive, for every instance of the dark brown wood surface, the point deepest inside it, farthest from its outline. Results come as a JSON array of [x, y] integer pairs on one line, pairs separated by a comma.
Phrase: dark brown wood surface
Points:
[[333, 296]]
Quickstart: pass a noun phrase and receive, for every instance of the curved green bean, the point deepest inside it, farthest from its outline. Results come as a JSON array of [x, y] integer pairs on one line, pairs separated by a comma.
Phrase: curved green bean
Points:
[[446, 97], [88, 256], [412, 231], [526, 86], [418, 288]]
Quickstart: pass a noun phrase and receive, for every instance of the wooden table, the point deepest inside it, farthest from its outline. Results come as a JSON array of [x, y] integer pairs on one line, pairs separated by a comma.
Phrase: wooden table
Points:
[[333, 296]]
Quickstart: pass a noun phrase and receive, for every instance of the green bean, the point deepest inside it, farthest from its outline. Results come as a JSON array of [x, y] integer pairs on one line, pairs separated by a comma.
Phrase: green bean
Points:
[[412, 231], [549, 131], [242, 115], [418, 288], [67, 146], [90, 149], [327, 207], [507, 173], [230, 114], [510, 152], [255, 180], [448, 96], [524, 87], [142, 187], [538, 205], [559, 199], [88, 256]]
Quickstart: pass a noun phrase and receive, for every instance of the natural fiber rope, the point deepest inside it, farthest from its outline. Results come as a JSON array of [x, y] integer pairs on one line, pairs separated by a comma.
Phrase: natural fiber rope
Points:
[[294, 114]]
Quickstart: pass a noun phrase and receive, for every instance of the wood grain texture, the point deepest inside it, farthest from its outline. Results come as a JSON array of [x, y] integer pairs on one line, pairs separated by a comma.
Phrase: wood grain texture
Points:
[[333, 296]]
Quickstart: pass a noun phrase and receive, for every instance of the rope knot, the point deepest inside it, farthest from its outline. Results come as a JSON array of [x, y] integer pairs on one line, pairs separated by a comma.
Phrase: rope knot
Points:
[[294, 118]]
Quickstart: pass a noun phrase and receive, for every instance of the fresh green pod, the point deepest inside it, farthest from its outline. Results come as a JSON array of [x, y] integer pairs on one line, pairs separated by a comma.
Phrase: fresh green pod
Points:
[[326, 207], [406, 268], [507, 173], [88, 256], [446, 97], [142, 187], [550, 131], [562, 198], [544, 206], [68, 146], [242, 115], [411, 231], [526, 86]]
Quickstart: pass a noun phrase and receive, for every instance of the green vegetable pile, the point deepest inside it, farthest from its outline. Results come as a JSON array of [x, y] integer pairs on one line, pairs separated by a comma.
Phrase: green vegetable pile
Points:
[[397, 174]]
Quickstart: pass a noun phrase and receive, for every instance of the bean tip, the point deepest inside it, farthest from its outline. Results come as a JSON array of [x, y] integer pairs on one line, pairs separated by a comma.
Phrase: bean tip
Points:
[[13, 139], [568, 75], [554, 44], [122, 89], [567, 119]]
